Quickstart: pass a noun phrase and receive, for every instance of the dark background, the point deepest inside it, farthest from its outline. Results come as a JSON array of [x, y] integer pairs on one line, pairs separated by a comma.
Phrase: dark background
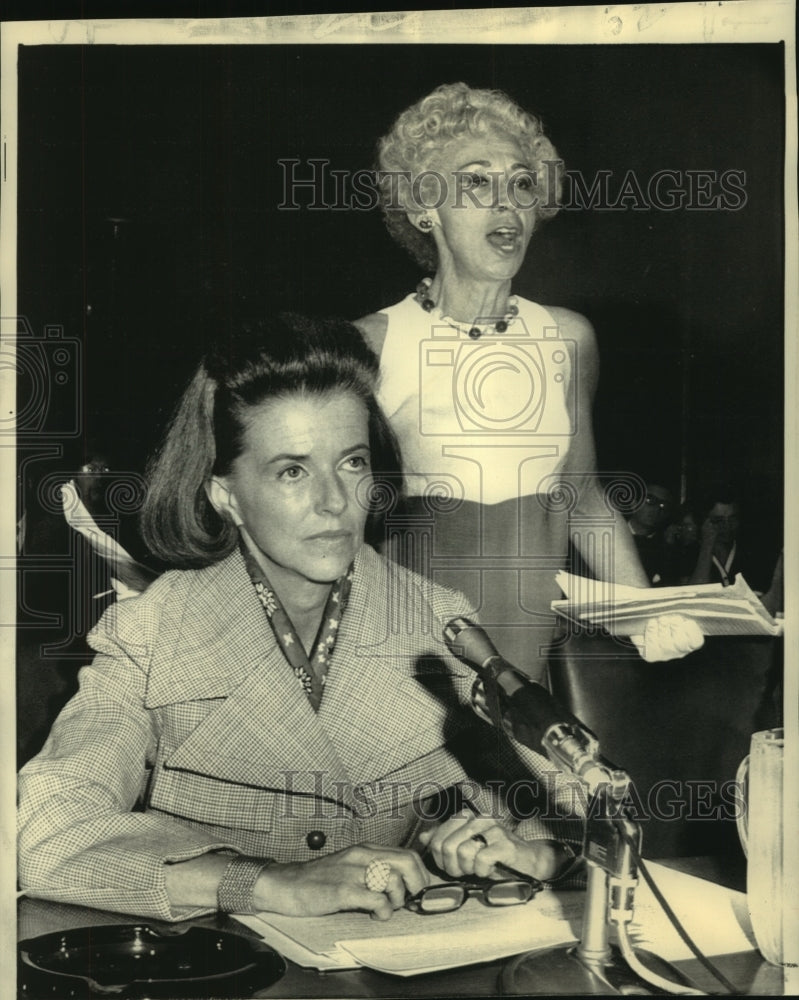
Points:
[[149, 187], [181, 144]]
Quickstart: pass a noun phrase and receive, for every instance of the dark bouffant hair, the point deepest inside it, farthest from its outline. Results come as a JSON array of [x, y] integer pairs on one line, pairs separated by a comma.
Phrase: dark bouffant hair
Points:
[[269, 360]]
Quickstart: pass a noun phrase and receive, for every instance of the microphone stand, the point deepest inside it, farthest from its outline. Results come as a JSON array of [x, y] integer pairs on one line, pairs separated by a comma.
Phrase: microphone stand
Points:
[[593, 966], [612, 839]]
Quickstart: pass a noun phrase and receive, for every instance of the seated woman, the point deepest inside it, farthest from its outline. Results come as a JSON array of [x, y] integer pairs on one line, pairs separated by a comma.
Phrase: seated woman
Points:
[[274, 714]]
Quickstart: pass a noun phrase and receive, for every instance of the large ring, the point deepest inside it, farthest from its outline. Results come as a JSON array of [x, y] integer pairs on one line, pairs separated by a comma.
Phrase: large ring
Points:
[[376, 875]]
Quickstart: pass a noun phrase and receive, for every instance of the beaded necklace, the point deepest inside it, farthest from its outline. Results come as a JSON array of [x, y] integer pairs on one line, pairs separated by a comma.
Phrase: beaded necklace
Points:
[[474, 331]]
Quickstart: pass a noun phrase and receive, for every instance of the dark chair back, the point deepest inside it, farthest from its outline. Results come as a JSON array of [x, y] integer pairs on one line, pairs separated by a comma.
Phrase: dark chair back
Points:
[[680, 729]]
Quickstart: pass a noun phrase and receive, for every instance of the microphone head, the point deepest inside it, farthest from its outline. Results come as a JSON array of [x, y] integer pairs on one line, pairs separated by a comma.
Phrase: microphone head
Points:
[[470, 643]]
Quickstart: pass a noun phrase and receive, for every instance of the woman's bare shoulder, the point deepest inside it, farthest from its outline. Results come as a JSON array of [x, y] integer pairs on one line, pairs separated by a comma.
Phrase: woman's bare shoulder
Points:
[[374, 327], [578, 332], [575, 327], [572, 324]]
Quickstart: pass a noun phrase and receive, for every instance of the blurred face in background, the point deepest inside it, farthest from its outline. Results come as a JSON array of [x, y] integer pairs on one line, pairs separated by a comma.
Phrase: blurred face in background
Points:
[[725, 518], [92, 480], [656, 510], [689, 529]]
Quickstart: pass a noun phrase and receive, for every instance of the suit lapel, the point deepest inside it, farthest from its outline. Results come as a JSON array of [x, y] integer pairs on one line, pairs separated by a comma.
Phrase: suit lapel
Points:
[[217, 644], [388, 698], [211, 637], [387, 702]]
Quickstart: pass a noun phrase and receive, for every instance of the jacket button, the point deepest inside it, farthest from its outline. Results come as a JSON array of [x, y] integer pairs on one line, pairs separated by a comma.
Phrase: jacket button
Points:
[[316, 840]]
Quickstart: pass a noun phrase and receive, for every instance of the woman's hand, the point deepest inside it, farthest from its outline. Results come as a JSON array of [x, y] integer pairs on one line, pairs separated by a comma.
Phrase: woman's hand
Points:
[[480, 702], [335, 882], [668, 637], [473, 845]]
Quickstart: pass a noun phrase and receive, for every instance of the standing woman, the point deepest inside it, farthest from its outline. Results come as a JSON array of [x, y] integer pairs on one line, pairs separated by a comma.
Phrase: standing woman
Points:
[[490, 394]]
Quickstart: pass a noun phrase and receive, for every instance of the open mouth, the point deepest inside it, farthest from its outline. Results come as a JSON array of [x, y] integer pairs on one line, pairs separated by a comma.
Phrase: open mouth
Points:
[[505, 238]]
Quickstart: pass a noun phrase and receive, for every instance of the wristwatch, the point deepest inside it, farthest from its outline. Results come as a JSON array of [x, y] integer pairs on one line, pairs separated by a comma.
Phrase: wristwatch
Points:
[[234, 894]]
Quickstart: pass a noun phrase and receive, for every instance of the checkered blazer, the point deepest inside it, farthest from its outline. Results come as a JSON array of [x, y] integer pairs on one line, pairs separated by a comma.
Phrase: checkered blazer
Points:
[[190, 733]]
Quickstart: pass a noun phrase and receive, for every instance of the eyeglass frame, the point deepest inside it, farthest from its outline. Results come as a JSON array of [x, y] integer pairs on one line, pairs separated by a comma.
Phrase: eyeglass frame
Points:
[[654, 501], [471, 888]]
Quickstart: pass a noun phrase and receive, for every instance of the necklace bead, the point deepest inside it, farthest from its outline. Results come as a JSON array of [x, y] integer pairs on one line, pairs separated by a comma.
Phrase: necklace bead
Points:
[[475, 332]]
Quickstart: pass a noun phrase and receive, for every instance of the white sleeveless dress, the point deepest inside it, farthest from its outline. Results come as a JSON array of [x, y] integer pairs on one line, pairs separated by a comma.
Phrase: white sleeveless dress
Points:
[[485, 426]]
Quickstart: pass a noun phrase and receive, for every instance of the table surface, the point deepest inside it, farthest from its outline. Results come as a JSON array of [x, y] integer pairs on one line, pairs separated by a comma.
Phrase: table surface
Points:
[[750, 974]]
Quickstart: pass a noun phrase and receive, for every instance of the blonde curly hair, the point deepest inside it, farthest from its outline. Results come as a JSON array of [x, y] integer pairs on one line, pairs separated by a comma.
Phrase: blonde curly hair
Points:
[[449, 112]]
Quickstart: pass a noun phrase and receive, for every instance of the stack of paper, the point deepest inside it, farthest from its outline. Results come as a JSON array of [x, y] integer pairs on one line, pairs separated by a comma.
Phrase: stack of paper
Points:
[[410, 944], [620, 610]]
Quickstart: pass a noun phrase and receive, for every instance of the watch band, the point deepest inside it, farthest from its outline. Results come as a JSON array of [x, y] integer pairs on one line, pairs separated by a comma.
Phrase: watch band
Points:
[[569, 852], [234, 894], [568, 860]]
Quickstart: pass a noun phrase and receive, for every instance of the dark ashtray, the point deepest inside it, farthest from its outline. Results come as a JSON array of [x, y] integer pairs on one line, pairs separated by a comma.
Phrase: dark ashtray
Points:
[[138, 961]]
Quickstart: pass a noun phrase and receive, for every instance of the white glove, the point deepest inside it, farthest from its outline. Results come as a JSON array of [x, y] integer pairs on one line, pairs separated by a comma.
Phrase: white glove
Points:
[[668, 637]]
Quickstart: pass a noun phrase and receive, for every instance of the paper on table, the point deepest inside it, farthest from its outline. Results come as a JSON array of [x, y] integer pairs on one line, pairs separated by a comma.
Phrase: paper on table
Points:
[[480, 934], [300, 954], [410, 944], [716, 918]]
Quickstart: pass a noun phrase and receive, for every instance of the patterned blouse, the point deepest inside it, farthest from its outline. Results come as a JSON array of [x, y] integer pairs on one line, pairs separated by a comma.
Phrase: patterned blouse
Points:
[[311, 671]]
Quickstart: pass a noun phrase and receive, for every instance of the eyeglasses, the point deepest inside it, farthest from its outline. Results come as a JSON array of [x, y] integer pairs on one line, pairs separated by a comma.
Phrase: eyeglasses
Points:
[[656, 502], [448, 896]]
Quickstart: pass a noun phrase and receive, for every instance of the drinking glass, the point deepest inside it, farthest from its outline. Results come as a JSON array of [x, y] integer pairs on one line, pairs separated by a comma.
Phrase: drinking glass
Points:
[[760, 827]]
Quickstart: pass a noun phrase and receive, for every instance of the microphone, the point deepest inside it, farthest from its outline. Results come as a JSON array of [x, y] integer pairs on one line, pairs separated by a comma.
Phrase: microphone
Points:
[[534, 717]]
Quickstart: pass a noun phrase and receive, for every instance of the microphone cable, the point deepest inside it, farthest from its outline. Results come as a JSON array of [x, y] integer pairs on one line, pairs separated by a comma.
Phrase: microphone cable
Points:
[[638, 967], [674, 919]]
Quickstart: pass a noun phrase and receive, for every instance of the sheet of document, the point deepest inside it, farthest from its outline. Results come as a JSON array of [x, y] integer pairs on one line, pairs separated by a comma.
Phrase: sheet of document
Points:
[[410, 944], [734, 610], [716, 918], [478, 934], [294, 951]]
